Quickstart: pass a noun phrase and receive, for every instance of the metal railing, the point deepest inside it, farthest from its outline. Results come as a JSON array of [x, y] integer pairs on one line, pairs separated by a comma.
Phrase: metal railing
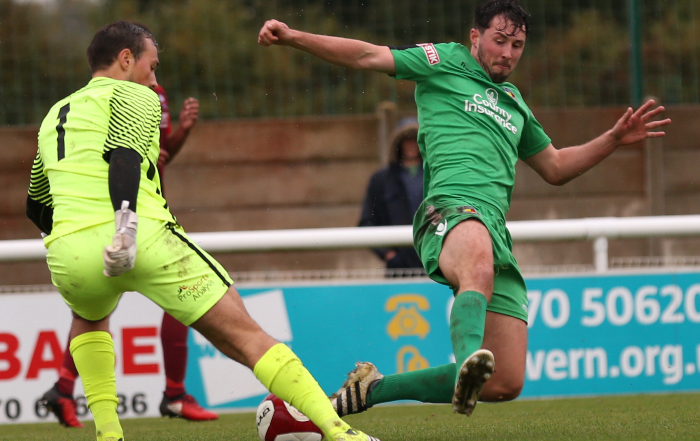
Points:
[[598, 230]]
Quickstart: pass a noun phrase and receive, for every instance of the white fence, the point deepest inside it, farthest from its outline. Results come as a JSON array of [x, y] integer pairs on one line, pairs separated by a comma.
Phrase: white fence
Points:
[[599, 230]]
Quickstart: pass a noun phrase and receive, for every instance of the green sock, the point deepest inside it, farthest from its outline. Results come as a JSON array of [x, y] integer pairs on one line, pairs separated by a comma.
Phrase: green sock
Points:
[[93, 353], [282, 373], [431, 385], [467, 322]]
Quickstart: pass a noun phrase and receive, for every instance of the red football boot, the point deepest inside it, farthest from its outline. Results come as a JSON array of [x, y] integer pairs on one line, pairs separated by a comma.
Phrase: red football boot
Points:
[[63, 406], [185, 406]]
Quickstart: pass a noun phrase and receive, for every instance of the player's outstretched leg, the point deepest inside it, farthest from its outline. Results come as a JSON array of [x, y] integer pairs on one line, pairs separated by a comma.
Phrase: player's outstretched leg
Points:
[[352, 396], [228, 326], [281, 371], [62, 405], [366, 387], [474, 373]]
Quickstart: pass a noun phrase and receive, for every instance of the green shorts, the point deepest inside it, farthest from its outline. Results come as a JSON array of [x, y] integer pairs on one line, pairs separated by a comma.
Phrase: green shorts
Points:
[[170, 270], [432, 223]]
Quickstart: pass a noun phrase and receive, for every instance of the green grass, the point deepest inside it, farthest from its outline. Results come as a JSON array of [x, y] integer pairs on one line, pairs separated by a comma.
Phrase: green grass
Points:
[[642, 417]]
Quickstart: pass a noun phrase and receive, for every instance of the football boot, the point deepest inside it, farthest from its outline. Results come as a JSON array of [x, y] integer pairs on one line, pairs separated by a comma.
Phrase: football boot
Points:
[[185, 406], [61, 405], [352, 396], [474, 373]]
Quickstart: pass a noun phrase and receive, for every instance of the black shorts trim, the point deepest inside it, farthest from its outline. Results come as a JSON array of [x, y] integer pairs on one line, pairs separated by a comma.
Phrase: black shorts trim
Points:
[[196, 249]]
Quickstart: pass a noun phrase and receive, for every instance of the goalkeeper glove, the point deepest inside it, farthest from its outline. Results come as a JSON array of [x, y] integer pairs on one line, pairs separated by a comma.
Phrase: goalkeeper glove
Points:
[[121, 255]]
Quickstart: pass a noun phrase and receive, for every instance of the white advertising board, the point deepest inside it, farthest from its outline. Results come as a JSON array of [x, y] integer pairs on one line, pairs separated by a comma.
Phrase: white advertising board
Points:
[[34, 332], [33, 335]]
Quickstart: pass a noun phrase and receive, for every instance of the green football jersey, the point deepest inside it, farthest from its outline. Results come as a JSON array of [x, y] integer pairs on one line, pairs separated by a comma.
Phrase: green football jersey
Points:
[[472, 130], [70, 172]]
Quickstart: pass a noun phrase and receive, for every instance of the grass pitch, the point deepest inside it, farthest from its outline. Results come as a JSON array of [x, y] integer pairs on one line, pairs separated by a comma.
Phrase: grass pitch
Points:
[[641, 417]]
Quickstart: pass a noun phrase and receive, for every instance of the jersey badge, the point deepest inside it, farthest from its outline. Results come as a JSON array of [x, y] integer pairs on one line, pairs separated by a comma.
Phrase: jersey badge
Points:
[[468, 209], [430, 52], [510, 93]]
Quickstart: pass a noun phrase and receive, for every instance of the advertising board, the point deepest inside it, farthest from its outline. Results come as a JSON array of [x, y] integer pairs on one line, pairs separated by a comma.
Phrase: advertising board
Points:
[[588, 335]]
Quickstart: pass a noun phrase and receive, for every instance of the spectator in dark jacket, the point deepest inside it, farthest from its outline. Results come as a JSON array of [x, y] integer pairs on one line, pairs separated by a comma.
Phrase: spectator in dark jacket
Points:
[[395, 192]]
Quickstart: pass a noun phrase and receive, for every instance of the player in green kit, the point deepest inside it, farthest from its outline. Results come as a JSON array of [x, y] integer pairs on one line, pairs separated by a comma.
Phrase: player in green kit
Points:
[[474, 126], [95, 169]]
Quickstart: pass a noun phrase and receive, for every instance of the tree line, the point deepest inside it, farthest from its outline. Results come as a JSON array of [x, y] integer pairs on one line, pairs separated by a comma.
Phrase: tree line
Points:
[[577, 54]]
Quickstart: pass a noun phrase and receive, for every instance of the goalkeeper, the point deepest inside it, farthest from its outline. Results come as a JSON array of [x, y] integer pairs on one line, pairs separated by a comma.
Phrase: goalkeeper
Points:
[[95, 193]]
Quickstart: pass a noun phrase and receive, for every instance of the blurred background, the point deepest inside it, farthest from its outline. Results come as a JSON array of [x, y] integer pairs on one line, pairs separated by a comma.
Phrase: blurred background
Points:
[[580, 52], [287, 141]]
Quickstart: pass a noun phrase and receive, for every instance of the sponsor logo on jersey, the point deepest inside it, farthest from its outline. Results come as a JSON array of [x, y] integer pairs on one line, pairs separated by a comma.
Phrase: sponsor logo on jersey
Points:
[[492, 96], [441, 228], [468, 209], [195, 291], [487, 103], [430, 52]]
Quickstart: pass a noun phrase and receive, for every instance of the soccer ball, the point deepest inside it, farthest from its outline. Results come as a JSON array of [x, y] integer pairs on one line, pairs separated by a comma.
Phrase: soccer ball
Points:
[[278, 420]]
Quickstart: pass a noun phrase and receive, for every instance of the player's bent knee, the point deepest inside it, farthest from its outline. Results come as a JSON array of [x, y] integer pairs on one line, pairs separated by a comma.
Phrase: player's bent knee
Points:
[[496, 392], [485, 276], [477, 277]]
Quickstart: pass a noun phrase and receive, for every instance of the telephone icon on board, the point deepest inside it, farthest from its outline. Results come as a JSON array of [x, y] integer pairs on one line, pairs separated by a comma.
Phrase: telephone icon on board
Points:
[[407, 321]]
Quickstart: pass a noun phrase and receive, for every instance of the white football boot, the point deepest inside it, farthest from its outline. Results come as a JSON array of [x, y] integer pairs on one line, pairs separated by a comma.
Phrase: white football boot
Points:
[[352, 397], [474, 373]]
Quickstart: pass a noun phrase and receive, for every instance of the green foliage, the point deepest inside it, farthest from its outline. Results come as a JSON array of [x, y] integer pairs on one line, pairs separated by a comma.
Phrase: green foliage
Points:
[[671, 53], [577, 52], [585, 65]]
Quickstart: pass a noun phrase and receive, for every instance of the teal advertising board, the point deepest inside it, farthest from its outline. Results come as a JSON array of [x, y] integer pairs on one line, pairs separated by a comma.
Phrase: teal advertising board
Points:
[[588, 335]]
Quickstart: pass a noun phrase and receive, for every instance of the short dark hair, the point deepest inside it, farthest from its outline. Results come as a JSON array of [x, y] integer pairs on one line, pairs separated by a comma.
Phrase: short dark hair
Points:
[[112, 39], [511, 10]]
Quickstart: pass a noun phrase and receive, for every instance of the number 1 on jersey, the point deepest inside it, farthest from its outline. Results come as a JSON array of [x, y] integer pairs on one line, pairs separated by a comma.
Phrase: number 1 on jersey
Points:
[[62, 117]]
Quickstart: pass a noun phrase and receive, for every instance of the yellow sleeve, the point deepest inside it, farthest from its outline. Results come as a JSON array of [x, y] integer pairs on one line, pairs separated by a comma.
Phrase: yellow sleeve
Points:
[[134, 119]]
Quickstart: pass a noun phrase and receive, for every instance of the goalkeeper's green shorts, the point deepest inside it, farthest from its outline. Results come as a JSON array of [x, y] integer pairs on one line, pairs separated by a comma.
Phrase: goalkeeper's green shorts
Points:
[[170, 270]]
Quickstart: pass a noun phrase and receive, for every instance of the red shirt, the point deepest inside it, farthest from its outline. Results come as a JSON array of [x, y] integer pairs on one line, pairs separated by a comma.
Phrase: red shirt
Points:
[[165, 130]]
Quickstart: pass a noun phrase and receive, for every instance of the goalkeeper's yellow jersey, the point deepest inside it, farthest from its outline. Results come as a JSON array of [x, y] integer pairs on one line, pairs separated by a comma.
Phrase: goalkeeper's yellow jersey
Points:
[[70, 172]]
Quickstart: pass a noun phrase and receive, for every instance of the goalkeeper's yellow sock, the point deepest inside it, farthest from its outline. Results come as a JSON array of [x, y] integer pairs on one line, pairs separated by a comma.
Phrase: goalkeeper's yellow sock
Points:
[[93, 353], [282, 373]]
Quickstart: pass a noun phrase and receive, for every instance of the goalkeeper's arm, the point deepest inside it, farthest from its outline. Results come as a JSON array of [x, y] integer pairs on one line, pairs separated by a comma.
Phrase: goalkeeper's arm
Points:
[[124, 178]]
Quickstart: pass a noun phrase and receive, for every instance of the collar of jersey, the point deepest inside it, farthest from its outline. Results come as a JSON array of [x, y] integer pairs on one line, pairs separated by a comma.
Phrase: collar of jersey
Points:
[[96, 79], [476, 67]]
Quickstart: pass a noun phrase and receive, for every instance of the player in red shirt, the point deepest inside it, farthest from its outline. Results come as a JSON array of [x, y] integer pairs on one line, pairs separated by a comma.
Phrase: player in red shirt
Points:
[[172, 141], [173, 334]]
